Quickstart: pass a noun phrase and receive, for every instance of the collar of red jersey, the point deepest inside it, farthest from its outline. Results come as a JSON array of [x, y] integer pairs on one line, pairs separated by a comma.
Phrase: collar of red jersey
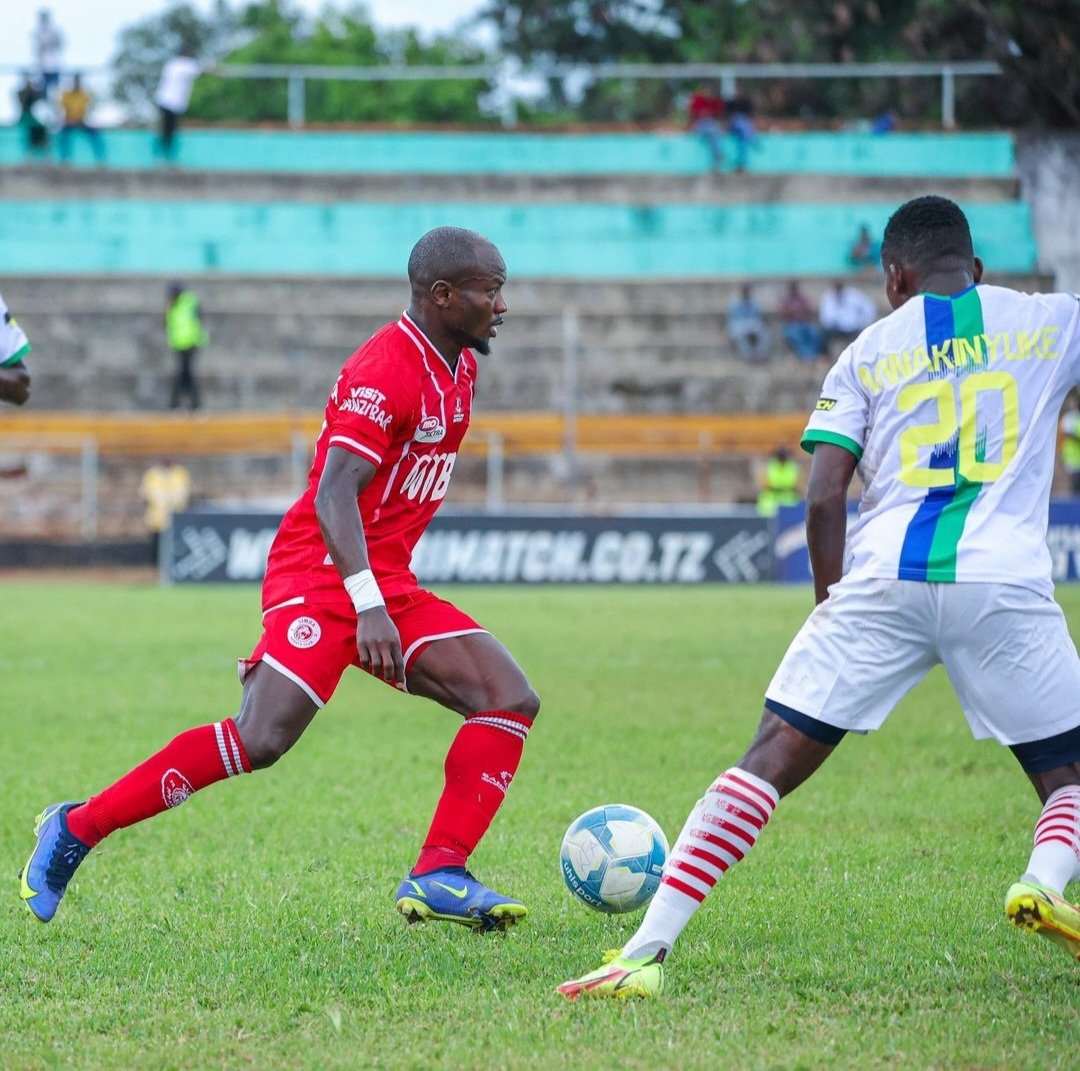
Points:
[[410, 327]]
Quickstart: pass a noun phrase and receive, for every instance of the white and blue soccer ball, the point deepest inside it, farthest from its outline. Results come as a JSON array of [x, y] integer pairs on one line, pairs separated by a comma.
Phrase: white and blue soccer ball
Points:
[[612, 857]]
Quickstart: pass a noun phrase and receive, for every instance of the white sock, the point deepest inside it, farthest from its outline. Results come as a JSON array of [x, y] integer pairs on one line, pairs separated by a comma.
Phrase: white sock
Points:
[[1055, 859], [720, 830]]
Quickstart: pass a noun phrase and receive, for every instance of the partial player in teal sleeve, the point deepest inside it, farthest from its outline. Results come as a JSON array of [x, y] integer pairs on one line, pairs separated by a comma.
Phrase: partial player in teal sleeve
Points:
[[14, 347], [948, 409]]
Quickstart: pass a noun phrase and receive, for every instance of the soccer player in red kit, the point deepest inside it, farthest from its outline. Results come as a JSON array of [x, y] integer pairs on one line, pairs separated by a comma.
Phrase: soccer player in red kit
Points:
[[339, 591]]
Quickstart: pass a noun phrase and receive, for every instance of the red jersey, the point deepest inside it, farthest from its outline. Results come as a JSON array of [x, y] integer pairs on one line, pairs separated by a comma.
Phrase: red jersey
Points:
[[704, 106], [398, 404]]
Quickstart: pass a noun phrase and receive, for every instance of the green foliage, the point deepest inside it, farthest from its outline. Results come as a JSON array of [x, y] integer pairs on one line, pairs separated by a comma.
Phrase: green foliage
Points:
[[1036, 42], [254, 927], [145, 46], [276, 32]]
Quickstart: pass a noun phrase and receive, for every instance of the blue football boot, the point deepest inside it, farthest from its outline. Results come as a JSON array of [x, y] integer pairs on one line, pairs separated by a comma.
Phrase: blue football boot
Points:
[[52, 865], [452, 894]]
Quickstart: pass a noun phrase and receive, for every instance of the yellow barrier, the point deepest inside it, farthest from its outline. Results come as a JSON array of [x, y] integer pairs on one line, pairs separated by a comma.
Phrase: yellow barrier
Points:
[[185, 434]]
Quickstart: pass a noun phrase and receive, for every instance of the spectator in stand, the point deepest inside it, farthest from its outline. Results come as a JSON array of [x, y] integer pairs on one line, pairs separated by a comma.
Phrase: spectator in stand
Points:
[[743, 131], [704, 115], [166, 487], [1070, 442], [885, 123], [746, 326], [797, 324], [48, 45], [844, 311], [74, 105], [173, 95], [185, 332], [865, 253], [32, 121], [779, 483]]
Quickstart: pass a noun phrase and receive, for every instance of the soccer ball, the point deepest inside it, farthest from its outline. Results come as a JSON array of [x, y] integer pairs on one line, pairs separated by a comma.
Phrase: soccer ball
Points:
[[612, 857]]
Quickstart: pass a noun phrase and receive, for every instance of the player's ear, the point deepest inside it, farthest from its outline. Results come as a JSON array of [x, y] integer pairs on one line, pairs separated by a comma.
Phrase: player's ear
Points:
[[441, 292], [978, 273], [899, 284]]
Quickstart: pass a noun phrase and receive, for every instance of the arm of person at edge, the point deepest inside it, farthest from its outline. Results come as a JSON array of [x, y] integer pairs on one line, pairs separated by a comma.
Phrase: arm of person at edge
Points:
[[826, 514], [344, 476], [15, 383]]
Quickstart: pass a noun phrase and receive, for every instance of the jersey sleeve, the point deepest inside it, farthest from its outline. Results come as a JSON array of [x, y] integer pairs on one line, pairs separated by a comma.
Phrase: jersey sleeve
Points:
[[14, 345], [1072, 336], [370, 406], [842, 413]]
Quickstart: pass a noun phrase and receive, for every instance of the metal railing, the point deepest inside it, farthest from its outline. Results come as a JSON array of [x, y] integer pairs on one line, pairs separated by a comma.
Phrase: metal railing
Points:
[[728, 75]]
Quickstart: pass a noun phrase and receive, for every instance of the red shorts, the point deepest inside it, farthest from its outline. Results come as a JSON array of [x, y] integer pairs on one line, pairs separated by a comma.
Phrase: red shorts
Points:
[[313, 645]]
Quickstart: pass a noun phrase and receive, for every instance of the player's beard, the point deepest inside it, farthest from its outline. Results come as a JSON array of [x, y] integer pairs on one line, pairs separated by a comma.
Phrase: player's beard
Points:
[[481, 345]]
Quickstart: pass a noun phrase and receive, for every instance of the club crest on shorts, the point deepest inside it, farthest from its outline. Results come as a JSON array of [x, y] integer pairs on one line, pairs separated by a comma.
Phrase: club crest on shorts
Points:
[[304, 632], [429, 431], [175, 788]]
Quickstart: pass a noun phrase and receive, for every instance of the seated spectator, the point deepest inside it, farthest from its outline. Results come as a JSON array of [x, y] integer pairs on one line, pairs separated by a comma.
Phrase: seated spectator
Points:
[[743, 131], [843, 312], [864, 252], [797, 324], [33, 112], [885, 123], [746, 326], [74, 104], [703, 117]]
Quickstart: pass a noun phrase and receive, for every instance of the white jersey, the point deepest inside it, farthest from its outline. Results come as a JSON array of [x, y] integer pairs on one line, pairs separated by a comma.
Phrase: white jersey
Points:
[[951, 405], [14, 345], [177, 79]]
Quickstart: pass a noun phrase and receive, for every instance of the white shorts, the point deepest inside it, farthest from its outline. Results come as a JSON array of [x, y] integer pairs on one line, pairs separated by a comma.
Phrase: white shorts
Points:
[[1007, 651]]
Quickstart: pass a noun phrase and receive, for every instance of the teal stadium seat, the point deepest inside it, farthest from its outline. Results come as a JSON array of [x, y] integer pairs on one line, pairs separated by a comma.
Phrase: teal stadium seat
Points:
[[562, 240], [613, 239], [989, 155]]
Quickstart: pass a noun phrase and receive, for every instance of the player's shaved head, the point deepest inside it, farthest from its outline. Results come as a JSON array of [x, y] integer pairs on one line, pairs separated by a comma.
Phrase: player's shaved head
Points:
[[452, 254], [926, 234]]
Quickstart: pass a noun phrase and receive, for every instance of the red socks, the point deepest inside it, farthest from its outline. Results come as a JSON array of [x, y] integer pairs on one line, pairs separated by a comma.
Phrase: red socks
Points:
[[480, 765], [191, 761]]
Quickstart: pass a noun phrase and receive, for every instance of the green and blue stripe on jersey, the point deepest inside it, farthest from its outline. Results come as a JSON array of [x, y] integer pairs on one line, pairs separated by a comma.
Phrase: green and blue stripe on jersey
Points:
[[933, 535]]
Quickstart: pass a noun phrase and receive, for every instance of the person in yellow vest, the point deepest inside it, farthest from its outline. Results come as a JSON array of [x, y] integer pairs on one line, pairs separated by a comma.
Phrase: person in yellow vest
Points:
[[780, 483], [1070, 443], [74, 106], [185, 333], [166, 487]]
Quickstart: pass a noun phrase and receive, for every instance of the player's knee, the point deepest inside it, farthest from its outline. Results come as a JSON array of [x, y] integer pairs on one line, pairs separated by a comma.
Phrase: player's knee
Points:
[[528, 704], [266, 745]]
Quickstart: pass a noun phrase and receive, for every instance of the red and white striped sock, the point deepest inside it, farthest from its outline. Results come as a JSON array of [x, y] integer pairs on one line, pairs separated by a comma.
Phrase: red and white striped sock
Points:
[[1055, 859], [721, 829], [194, 759]]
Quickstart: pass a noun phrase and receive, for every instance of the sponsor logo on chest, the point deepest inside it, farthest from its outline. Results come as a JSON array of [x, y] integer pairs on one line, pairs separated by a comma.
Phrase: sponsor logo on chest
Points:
[[429, 431], [429, 477]]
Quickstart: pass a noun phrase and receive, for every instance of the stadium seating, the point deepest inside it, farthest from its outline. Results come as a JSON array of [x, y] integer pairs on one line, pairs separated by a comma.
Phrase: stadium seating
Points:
[[623, 254], [915, 155]]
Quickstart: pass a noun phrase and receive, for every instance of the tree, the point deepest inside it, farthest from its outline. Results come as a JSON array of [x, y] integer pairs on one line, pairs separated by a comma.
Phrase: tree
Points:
[[1037, 42], [276, 32], [145, 46]]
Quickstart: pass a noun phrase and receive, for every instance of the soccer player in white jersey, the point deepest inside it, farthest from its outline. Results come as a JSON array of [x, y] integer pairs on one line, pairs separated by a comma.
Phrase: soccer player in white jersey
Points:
[[14, 346], [948, 407]]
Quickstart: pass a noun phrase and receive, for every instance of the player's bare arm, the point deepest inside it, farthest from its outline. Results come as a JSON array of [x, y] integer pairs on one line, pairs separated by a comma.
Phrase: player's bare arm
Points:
[[345, 475], [15, 383], [826, 514]]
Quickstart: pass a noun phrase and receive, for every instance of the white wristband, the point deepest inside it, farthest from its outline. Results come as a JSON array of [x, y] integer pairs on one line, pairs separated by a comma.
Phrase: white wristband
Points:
[[363, 590]]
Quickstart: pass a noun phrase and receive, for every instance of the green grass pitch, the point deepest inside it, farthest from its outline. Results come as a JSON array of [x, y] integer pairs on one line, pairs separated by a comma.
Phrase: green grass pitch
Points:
[[254, 927]]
